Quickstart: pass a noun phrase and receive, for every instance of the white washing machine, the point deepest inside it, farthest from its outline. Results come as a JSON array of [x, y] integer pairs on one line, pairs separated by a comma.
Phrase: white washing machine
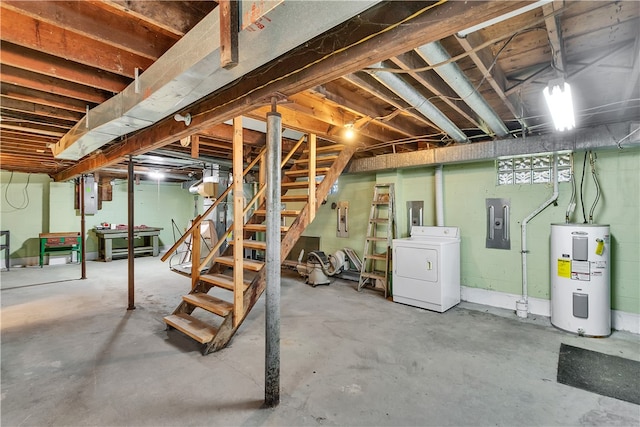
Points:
[[426, 268]]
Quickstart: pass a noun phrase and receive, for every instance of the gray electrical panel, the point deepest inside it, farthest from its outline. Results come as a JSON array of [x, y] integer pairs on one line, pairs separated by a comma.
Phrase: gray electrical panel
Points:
[[90, 196], [415, 215], [498, 236]]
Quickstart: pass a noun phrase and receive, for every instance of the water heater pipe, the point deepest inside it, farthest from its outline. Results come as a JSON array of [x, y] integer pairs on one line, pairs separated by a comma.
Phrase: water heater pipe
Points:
[[439, 197], [522, 305]]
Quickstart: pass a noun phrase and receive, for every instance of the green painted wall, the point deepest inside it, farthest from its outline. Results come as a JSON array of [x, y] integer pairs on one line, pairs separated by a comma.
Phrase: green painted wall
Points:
[[51, 209], [24, 211], [466, 186]]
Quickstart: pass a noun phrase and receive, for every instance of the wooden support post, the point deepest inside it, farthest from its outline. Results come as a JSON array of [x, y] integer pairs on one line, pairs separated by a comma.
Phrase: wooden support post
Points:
[[195, 256], [83, 268], [195, 146], [312, 176], [229, 27], [238, 223], [130, 220], [262, 177]]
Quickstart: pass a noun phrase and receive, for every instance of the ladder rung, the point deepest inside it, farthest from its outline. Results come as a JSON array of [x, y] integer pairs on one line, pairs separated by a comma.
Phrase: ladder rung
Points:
[[382, 257], [379, 220], [262, 227], [209, 303], [305, 172], [252, 244], [247, 264], [286, 212], [222, 281], [327, 149], [196, 329], [374, 275], [380, 202], [377, 239]]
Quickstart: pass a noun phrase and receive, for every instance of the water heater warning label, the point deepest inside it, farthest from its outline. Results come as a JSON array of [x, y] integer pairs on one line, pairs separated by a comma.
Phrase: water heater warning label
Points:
[[580, 270], [564, 268]]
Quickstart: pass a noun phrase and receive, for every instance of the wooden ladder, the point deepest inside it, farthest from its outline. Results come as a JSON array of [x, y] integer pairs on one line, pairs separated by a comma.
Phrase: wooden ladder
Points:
[[381, 230], [212, 320]]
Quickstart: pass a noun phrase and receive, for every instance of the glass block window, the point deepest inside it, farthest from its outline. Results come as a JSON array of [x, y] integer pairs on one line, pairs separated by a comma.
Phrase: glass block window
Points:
[[532, 169]]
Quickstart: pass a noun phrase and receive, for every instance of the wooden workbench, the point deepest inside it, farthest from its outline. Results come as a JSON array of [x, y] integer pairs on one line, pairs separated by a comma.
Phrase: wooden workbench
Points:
[[148, 244], [60, 242]]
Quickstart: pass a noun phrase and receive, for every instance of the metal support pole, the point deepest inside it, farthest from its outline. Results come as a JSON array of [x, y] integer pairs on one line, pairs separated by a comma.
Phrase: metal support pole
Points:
[[272, 327], [83, 264], [130, 252]]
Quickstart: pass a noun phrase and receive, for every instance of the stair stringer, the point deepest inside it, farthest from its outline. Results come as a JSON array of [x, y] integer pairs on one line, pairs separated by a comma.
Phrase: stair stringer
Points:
[[258, 284]]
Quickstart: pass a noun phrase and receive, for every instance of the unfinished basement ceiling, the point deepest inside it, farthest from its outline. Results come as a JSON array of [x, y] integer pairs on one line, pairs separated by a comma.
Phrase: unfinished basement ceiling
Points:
[[374, 72]]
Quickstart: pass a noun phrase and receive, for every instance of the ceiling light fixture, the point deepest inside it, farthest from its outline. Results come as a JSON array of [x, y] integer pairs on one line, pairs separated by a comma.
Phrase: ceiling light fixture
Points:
[[180, 118], [498, 19], [349, 133], [558, 97], [156, 174]]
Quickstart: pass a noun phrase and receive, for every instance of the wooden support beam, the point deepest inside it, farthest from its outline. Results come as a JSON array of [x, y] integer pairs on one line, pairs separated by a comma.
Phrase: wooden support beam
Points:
[[37, 109], [229, 27], [353, 51], [43, 98], [52, 85], [494, 76], [238, 223], [195, 146], [435, 85], [44, 37], [554, 32], [312, 177]]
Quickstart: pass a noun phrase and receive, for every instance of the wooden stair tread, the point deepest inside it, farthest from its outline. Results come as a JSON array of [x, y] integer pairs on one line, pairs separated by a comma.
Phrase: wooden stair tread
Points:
[[262, 227], [252, 244], [305, 172], [294, 198], [296, 184], [285, 212], [222, 281], [326, 149], [247, 264], [209, 303], [322, 159], [189, 325]]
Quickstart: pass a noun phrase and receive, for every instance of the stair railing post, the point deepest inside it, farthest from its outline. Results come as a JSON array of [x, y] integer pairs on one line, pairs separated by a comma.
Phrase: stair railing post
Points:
[[312, 177], [272, 300], [238, 223]]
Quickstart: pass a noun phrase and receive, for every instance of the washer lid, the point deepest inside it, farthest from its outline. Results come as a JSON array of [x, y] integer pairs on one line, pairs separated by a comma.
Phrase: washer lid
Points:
[[421, 232]]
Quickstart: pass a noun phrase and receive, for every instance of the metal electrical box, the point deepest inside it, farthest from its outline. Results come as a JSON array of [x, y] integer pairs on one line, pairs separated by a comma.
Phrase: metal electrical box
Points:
[[498, 235], [343, 219], [90, 196], [415, 215]]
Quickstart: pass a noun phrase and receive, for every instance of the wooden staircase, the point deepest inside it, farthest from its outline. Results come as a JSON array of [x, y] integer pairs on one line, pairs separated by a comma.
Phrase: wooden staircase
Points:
[[239, 282]]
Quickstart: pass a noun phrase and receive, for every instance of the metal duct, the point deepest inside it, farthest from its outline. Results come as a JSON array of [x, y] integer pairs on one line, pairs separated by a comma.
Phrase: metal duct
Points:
[[190, 70], [419, 102], [434, 53]]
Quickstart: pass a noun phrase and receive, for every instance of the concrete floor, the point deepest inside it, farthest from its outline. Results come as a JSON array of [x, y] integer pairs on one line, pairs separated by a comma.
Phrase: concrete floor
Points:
[[73, 355]]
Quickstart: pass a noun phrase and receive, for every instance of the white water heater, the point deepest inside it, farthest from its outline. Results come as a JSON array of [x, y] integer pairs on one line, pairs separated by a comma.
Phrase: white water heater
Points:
[[580, 279]]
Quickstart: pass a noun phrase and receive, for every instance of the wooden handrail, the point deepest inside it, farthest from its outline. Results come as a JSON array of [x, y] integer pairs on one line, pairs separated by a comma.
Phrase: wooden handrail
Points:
[[293, 150], [197, 221], [213, 250]]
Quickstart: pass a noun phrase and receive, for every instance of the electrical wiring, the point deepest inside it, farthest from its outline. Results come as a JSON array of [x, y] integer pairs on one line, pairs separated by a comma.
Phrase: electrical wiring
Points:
[[25, 194], [592, 161], [330, 54], [584, 166]]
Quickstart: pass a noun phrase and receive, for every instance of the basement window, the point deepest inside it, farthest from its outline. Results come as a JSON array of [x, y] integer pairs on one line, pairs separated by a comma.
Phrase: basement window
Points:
[[535, 169]]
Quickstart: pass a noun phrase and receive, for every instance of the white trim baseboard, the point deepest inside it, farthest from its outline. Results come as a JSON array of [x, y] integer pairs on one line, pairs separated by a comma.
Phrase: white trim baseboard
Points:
[[620, 320]]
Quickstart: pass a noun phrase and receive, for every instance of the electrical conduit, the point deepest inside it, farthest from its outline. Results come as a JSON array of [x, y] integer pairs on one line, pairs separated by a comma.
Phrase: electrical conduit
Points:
[[522, 305]]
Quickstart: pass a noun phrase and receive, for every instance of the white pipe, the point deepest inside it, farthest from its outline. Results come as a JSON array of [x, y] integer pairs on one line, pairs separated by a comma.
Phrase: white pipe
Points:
[[522, 306], [451, 73], [439, 197]]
